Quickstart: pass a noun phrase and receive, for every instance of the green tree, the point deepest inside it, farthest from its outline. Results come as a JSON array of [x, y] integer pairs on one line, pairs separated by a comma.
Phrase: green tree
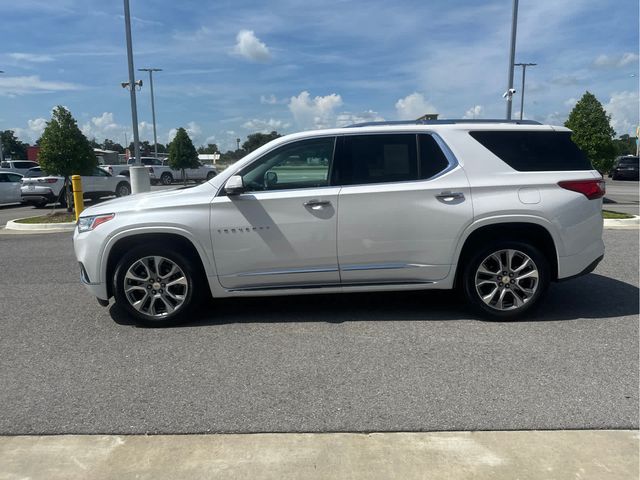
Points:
[[111, 145], [256, 140], [11, 146], [625, 145], [182, 153], [210, 148], [592, 131], [65, 151]]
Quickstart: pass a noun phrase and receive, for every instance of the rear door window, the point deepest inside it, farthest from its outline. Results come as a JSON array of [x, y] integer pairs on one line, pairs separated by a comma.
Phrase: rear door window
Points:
[[534, 151], [432, 159], [382, 158]]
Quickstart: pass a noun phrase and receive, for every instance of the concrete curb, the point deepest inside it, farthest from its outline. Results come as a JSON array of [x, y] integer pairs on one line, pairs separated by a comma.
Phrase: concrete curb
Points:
[[584, 454], [622, 223], [40, 227]]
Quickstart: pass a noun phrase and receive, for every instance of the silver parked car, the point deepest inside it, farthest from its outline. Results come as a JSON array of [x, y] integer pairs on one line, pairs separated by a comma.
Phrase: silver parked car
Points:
[[498, 209], [10, 183]]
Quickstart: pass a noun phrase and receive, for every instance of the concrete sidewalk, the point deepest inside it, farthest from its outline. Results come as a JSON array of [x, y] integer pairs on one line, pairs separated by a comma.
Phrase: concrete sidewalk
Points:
[[598, 455]]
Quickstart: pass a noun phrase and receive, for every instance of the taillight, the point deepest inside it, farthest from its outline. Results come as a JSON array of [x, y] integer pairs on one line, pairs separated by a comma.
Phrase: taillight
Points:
[[150, 169], [591, 189]]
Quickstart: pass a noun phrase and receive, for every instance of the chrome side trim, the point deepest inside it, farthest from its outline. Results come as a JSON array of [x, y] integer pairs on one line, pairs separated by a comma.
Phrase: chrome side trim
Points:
[[382, 266], [327, 285], [287, 271]]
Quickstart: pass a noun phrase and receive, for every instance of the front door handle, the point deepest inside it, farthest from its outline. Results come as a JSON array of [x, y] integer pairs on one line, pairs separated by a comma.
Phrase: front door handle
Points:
[[449, 197], [317, 204]]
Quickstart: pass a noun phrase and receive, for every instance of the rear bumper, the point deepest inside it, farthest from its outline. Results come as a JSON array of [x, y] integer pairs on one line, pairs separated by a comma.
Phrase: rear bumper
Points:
[[581, 263], [37, 196]]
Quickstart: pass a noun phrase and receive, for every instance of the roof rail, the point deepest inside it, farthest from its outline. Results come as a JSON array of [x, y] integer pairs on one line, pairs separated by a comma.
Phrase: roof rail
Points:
[[444, 122]]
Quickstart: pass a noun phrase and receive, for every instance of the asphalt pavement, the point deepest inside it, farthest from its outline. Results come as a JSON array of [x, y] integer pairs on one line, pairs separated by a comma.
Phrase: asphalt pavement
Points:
[[622, 196], [356, 362]]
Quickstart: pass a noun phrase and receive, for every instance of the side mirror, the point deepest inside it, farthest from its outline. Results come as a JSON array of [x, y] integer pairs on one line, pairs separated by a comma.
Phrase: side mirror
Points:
[[234, 185]]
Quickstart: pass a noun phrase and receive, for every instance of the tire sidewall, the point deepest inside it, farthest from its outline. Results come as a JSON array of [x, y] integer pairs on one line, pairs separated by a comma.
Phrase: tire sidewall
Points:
[[469, 287], [191, 274], [120, 185], [166, 179]]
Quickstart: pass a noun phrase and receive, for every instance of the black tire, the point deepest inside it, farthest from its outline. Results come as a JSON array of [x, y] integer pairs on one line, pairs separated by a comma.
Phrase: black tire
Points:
[[472, 294], [42, 204], [166, 178], [615, 177], [123, 189], [195, 285], [210, 175]]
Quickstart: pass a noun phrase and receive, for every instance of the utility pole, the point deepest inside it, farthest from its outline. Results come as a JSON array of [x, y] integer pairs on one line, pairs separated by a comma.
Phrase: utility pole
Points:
[[524, 72], [138, 174], [153, 107], [512, 57]]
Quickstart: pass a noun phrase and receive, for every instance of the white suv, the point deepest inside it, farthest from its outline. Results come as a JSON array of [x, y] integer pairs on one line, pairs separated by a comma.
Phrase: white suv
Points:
[[499, 209]]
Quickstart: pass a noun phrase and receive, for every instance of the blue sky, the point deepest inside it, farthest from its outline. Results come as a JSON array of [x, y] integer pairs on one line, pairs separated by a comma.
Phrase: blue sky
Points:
[[232, 68]]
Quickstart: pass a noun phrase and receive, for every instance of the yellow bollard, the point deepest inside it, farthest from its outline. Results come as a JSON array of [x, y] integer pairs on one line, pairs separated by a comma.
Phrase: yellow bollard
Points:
[[78, 199]]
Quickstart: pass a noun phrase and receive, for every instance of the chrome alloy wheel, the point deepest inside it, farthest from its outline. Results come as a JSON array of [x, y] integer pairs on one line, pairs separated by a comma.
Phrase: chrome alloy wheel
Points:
[[507, 279], [155, 286]]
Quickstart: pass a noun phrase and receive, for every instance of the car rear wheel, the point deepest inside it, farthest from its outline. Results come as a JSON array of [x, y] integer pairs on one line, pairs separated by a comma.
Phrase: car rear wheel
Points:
[[123, 189], [505, 280], [156, 286], [166, 178]]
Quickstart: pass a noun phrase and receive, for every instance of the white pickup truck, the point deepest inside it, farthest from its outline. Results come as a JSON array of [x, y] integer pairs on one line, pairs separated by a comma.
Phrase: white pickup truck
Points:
[[40, 189], [160, 172]]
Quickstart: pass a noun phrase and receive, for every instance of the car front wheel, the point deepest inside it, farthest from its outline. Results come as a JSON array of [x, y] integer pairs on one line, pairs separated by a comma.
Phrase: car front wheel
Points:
[[506, 279], [156, 286]]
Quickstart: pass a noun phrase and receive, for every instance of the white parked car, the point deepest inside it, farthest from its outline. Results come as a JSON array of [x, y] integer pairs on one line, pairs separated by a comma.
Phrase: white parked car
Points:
[[499, 209], [41, 189], [18, 166], [10, 183], [201, 173]]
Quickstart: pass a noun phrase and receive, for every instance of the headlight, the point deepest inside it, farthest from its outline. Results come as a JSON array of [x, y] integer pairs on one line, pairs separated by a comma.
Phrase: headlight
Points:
[[86, 224]]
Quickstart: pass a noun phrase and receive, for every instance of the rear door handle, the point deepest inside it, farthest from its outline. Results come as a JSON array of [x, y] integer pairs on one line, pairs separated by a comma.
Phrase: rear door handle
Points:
[[317, 204], [449, 197]]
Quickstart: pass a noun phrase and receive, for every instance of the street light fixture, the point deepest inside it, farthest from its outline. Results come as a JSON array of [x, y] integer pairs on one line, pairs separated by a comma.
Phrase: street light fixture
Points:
[[153, 107], [524, 71]]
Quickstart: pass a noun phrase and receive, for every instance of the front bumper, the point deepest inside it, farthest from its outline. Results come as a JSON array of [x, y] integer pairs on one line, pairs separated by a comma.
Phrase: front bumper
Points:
[[88, 260]]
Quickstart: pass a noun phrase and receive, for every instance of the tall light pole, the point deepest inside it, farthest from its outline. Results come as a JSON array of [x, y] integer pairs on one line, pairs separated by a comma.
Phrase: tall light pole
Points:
[[139, 175], [524, 72], [1, 149], [512, 57], [153, 107]]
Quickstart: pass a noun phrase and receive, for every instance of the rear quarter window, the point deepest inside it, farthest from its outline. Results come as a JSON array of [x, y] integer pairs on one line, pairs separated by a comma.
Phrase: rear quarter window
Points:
[[532, 151]]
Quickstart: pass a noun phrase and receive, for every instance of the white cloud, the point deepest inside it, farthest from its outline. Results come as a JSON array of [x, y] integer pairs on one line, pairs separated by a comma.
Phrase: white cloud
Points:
[[616, 61], [104, 126], [318, 112], [33, 84], [268, 100], [31, 57], [347, 118], [33, 131], [413, 106], [264, 126], [570, 102], [474, 112], [193, 129], [623, 108], [250, 47]]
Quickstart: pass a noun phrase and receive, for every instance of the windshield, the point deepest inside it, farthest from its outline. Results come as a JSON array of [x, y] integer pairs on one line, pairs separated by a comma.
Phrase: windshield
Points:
[[628, 161]]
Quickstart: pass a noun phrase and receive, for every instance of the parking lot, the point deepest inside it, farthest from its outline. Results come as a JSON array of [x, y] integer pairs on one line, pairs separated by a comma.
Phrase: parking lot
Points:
[[358, 362], [622, 196]]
